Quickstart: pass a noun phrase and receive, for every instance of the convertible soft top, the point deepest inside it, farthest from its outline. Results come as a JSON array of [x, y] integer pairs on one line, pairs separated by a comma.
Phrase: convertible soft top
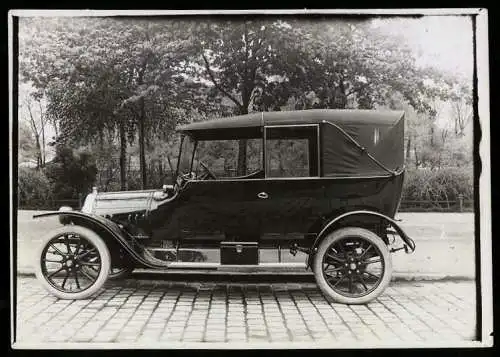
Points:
[[297, 117], [352, 141]]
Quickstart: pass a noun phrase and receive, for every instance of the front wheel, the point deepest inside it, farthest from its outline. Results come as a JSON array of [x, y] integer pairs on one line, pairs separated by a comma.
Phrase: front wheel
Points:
[[64, 257], [115, 273], [352, 266], [121, 269]]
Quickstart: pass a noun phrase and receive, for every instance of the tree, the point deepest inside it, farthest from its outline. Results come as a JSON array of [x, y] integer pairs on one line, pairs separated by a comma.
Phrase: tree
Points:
[[461, 104], [110, 84], [108, 75], [248, 62], [353, 65], [153, 53], [33, 116]]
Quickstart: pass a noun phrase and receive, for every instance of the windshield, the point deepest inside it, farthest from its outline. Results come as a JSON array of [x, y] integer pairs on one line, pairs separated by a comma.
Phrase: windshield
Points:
[[186, 155]]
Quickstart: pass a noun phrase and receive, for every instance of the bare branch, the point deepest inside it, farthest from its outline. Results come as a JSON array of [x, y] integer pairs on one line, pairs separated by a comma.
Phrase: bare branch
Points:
[[217, 85], [35, 131]]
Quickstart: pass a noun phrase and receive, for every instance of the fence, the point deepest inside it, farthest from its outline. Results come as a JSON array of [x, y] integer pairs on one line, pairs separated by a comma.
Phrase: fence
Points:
[[459, 205], [54, 205]]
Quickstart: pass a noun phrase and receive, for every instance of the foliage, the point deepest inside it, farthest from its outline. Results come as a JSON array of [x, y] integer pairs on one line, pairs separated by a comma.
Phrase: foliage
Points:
[[438, 185], [34, 188], [71, 173], [28, 151], [221, 156], [98, 83], [117, 87]]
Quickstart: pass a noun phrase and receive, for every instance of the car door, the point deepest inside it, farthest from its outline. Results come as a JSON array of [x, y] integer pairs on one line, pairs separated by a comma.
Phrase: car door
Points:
[[223, 205], [219, 209], [292, 194]]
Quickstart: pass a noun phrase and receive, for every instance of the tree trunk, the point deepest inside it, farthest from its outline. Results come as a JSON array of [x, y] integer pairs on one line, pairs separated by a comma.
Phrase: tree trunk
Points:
[[39, 162], [340, 99], [242, 157], [456, 125], [170, 166], [160, 170], [42, 129], [242, 149], [408, 148], [123, 157], [42, 147], [281, 169], [416, 156], [37, 139], [142, 150]]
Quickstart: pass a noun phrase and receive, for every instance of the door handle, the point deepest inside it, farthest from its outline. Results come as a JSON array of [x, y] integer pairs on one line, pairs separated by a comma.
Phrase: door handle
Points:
[[262, 195]]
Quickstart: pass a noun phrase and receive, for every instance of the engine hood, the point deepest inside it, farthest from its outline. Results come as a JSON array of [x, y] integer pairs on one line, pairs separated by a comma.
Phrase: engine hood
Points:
[[117, 203]]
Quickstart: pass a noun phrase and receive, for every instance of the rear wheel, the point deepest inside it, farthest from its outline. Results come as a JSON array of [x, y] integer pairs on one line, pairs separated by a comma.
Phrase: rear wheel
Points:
[[352, 266], [64, 257]]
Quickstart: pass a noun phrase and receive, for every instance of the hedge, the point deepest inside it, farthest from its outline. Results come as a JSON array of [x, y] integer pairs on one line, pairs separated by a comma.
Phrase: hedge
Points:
[[429, 186], [445, 184], [34, 188]]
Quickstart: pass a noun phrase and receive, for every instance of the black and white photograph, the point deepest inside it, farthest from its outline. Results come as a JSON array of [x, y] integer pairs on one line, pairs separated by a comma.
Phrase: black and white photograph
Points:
[[250, 179]]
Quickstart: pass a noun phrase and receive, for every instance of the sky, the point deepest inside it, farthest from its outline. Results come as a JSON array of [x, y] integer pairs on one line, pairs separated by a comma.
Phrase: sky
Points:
[[441, 41]]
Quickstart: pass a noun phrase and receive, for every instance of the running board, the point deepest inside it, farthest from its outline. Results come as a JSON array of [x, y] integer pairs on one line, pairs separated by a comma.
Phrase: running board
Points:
[[239, 267]]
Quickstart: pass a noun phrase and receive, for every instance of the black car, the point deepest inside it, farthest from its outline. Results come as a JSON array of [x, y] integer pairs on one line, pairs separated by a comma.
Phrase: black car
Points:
[[323, 182]]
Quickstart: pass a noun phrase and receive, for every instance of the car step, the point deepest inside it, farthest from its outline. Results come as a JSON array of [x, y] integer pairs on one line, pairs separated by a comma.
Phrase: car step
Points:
[[239, 267]]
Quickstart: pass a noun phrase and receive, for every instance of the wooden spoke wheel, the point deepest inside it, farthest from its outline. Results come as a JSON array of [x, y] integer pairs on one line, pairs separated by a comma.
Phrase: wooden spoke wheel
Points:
[[121, 269], [352, 266], [65, 258], [116, 273]]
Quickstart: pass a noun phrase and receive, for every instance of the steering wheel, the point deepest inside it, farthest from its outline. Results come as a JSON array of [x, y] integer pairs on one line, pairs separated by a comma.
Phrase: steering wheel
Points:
[[208, 173], [187, 176], [182, 179]]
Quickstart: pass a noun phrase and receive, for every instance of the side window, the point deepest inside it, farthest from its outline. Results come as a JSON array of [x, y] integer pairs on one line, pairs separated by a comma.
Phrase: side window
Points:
[[221, 157], [292, 151]]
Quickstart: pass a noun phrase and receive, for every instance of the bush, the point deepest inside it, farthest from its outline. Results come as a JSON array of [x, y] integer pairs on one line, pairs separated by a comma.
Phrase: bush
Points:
[[34, 188], [445, 184], [71, 173]]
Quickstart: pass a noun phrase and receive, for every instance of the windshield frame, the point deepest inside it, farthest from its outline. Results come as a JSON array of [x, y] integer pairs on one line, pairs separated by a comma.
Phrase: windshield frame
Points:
[[195, 144]]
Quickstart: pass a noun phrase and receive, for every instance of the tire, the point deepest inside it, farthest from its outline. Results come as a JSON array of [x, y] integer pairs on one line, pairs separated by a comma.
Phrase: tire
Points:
[[86, 245], [357, 256]]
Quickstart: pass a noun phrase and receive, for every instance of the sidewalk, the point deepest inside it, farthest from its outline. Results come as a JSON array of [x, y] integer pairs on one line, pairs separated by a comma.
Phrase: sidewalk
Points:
[[152, 313]]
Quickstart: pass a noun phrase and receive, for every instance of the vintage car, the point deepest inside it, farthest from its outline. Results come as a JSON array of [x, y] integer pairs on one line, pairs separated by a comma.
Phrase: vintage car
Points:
[[325, 183]]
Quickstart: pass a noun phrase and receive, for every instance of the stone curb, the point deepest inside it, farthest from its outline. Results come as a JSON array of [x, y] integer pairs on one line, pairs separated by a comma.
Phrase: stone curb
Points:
[[306, 276]]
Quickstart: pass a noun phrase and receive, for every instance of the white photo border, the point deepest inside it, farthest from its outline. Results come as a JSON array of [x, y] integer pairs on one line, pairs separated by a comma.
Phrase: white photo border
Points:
[[482, 62]]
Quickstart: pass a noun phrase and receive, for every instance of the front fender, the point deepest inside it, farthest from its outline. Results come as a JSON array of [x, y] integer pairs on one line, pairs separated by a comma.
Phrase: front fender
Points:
[[337, 220], [111, 229]]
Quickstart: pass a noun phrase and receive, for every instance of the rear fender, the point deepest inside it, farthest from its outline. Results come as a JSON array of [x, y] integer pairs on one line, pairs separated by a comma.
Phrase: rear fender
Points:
[[107, 230], [339, 220]]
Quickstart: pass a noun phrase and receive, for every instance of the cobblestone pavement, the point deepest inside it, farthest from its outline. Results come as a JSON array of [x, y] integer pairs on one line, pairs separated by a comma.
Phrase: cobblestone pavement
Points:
[[136, 311]]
